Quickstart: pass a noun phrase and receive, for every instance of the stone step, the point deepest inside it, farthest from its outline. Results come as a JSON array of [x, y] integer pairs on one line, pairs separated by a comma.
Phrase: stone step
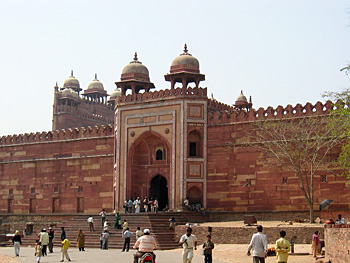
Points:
[[157, 223]]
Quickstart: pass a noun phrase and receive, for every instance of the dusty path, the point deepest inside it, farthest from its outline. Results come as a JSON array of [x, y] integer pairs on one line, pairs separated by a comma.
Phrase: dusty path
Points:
[[225, 253]]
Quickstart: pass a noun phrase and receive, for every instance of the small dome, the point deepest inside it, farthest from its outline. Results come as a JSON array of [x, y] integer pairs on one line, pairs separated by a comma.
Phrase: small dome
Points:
[[70, 92], [135, 70], [71, 82], [95, 84], [185, 62], [115, 93], [242, 98]]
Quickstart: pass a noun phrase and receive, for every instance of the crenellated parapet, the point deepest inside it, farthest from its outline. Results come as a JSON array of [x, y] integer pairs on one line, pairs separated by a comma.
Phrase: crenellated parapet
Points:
[[162, 95], [218, 114], [58, 135], [216, 105]]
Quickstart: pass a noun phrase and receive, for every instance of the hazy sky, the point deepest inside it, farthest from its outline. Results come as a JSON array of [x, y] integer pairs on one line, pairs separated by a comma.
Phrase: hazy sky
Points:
[[279, 52]]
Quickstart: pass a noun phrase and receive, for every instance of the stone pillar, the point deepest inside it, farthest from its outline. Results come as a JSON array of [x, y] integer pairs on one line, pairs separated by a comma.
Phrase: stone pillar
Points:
[[123, 89], [184, 83]]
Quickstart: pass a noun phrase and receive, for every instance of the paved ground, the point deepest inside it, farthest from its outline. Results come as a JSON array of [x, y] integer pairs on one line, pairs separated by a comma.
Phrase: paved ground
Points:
[[222, 254]]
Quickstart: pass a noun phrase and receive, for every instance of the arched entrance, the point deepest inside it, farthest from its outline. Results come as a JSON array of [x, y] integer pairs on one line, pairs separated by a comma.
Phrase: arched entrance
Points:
[[159, 189]]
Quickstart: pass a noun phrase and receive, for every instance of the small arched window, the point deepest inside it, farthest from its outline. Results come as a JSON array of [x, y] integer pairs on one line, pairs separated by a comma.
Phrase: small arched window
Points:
[[159, 154]]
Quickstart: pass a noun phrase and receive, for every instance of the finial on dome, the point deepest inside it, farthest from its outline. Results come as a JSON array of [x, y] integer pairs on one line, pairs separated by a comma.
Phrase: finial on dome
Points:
[[241, 92], [56, 84], [71, 73], [135, 57], [95, 75], [185, 48]]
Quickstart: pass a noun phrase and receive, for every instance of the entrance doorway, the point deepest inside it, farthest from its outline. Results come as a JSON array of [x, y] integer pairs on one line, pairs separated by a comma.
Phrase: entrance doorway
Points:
[[159, 190]]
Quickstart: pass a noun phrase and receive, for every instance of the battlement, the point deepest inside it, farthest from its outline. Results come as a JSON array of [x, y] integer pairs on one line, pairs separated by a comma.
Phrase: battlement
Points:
[[227, 114], [58, 135], [214, 104], [162, 94]]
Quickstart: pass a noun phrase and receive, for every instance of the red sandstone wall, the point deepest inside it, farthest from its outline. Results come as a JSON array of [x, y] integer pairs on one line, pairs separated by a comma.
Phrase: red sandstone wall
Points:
[[337, 242], [53, 175], [231, 167], [243, 235]]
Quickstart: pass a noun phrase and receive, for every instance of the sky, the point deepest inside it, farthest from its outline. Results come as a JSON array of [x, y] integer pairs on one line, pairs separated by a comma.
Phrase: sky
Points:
[[278, 52]]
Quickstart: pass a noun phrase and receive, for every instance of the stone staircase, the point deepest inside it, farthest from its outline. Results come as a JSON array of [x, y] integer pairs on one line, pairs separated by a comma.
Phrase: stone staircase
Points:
[[157, 223]]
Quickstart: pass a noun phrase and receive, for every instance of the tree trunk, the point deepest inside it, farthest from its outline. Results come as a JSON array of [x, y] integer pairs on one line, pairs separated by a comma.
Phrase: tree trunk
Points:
[[311, 207]]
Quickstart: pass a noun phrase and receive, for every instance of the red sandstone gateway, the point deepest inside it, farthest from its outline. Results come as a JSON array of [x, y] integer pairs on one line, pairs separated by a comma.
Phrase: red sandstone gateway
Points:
[[168, 144]]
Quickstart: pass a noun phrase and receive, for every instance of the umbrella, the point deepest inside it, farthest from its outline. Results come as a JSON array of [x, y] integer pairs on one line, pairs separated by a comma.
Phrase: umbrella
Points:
[[325, 203]]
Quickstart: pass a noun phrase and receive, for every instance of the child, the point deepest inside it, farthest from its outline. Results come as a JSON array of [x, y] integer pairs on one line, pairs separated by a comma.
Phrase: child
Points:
[[38, 250], [65, 246], [208, 248]]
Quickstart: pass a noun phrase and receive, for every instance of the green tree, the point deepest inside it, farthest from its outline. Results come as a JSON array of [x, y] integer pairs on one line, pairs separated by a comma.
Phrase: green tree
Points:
[[341, 116], [303, 145]]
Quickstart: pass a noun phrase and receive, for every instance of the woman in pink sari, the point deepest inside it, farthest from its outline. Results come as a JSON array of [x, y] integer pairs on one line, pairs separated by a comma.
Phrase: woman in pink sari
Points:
[[316, 244]]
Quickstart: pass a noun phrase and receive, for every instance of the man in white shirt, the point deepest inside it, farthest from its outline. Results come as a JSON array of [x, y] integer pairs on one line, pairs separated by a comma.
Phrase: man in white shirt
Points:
[[259, 246], [340, 220], [91, 223], [188, 242], [44, 239], [103, 217]]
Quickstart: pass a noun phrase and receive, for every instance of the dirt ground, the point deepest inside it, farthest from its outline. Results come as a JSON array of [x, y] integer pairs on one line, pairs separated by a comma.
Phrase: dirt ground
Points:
[[237, 254], [7, 259]]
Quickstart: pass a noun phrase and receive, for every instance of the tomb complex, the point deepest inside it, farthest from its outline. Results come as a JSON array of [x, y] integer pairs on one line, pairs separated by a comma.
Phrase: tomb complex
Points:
[[167, 144]]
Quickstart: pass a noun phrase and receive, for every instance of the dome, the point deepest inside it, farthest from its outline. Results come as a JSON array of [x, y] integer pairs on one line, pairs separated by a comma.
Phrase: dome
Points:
[[241, 98], [115, 93], [95, 84], [185, 62], [70, 92], [72, 82], [135, 70]]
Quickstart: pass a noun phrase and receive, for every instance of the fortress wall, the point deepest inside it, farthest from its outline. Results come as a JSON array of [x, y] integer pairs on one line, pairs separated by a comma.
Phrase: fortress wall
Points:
[[337, 241], [60, 171], [243, 235], [219, 113], [241, 179]]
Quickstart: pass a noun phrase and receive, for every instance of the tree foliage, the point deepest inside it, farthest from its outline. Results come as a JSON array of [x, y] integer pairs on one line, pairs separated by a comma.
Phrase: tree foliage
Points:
[[341, 117], [303, 145]]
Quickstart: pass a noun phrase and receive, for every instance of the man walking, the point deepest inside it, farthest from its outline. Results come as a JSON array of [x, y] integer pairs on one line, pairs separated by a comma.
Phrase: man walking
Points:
[[63, 234], [127, 235], [259, 246], [44, 239], [103, 217], [188, 242], [90, 220], [282, 248], [51, 236]]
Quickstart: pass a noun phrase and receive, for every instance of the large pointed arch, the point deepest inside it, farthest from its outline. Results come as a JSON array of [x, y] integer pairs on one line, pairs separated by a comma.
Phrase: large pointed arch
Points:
[[142, 164]]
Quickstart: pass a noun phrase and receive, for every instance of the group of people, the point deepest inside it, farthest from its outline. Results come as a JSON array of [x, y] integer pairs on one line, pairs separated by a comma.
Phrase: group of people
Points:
[[134, 205], [46, 239], [189, 243]]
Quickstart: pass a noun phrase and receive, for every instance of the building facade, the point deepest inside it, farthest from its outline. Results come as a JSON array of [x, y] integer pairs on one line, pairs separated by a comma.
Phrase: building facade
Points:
[[168, 144]]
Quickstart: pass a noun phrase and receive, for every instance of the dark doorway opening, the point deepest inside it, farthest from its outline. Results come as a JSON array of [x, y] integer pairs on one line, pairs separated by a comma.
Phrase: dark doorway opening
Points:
[[159, 190]]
